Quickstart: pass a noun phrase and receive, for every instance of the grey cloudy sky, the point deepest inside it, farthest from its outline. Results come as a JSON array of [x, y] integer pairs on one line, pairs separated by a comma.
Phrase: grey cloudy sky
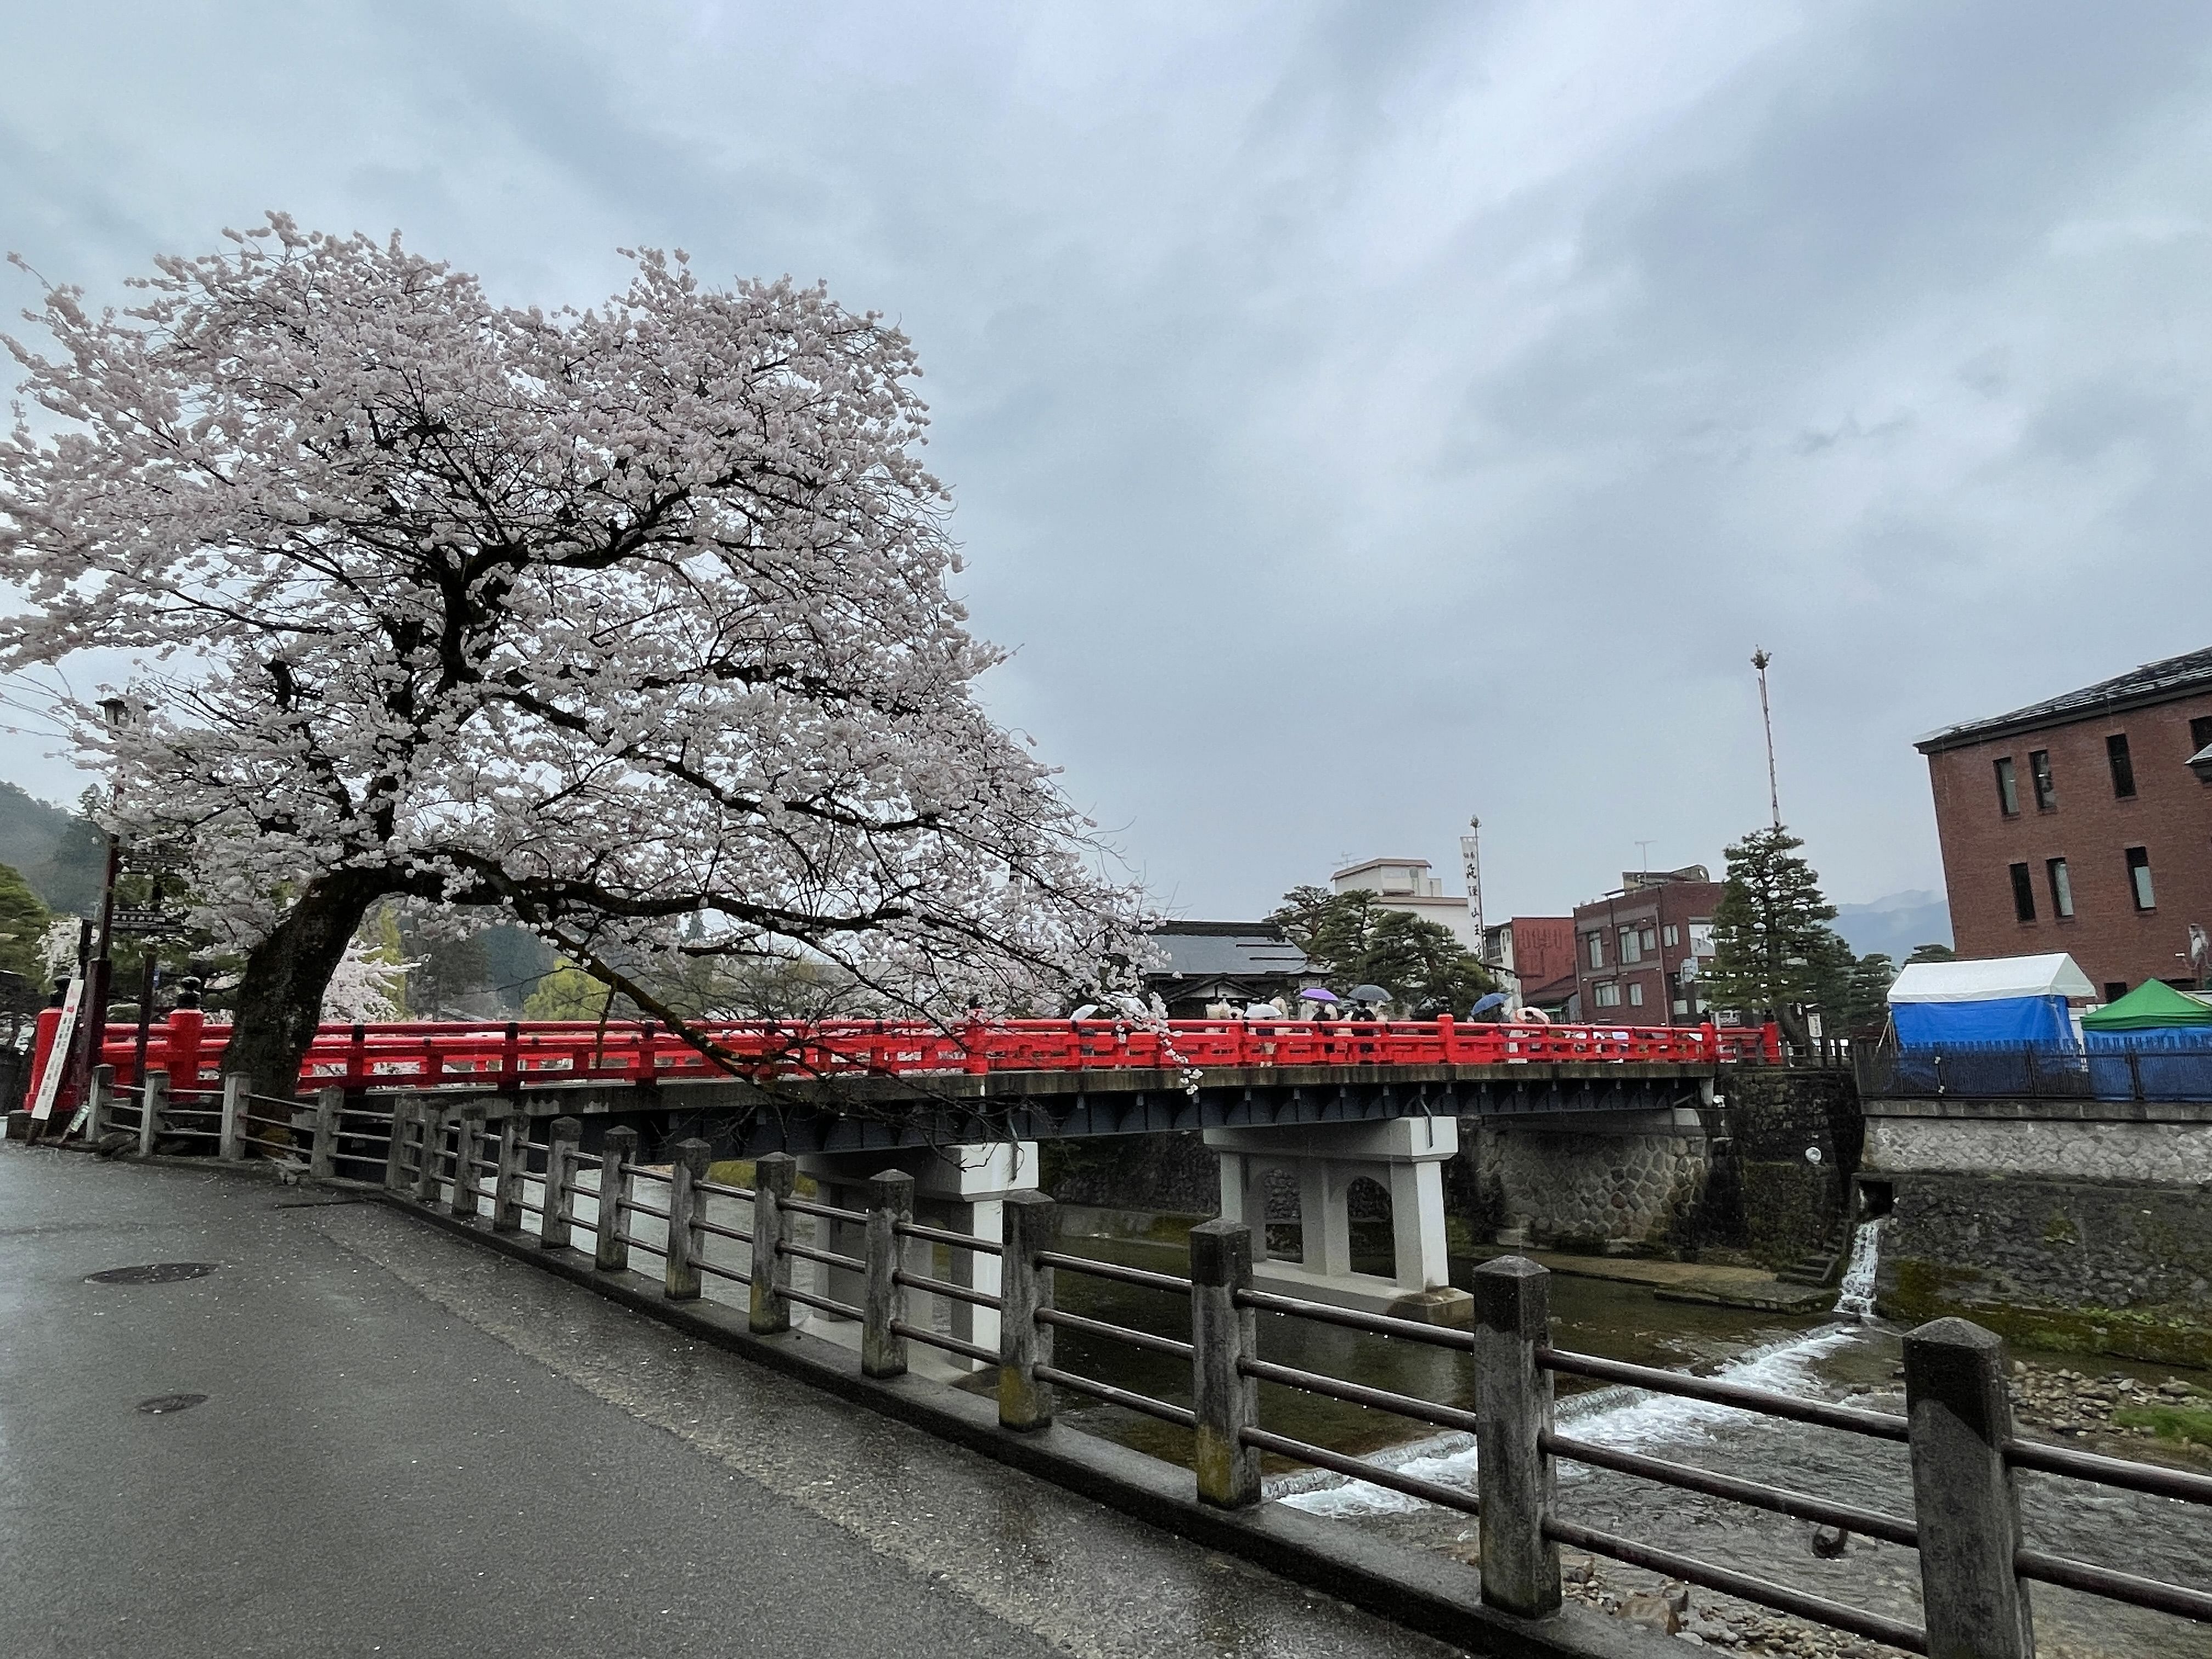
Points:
[[1359, 415]]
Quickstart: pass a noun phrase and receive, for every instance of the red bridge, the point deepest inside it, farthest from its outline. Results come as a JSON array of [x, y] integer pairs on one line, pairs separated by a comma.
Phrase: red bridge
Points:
[[435, 1054]]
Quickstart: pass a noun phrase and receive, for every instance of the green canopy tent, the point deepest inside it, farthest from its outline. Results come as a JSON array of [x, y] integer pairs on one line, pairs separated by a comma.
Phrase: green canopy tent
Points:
[[2153, 1005]]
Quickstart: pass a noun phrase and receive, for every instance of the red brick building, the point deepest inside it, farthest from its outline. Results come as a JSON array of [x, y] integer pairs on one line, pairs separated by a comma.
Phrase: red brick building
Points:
[[1535, 955], [1631, 947], [2078, 825]]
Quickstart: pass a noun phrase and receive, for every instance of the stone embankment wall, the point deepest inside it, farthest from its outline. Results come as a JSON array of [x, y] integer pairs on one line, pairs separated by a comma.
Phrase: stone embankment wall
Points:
[[1174, 1174], [2082, 1226], [1592, 1182], [1731, 1175]]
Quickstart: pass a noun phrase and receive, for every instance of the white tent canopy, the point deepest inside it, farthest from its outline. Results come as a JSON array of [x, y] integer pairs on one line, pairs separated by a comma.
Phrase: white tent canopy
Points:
[[1991, 978]]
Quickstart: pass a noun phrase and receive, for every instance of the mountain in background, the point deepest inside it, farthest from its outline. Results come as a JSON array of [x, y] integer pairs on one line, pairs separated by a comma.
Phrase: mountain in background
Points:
[[1895, 924], [62, 855]]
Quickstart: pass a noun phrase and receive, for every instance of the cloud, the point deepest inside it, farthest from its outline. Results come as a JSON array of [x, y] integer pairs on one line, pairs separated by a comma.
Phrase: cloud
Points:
[[1359, 417]]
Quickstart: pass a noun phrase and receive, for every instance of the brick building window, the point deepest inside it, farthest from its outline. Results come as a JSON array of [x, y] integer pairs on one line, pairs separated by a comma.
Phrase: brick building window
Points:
[[1596, 949], [2139, 878], [2062, 887], [2046, 787], [2008, 789], [2115, 989], [2023, 893], [1673, 935], [1636, 994], [2123, 768], [1629, 952], [1607, 995]]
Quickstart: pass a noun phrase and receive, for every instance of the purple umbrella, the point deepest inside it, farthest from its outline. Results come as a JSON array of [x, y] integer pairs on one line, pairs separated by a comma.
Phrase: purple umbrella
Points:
[[1314, 993]]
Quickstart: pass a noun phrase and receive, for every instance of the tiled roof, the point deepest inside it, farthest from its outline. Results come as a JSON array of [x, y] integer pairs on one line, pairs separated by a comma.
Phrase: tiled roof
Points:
[[1223, 947], [2155, 681]]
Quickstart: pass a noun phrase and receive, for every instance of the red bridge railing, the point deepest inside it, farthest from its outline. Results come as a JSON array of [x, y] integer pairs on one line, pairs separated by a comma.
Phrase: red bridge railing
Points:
[[429, 1054]]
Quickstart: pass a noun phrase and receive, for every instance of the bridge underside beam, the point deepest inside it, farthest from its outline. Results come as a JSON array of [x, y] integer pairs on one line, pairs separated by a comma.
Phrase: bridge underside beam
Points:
[[861, 1114]]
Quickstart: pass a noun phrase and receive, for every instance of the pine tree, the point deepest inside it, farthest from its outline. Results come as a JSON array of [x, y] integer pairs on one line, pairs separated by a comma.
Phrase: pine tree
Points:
[[1770, 941], [1354, 939]]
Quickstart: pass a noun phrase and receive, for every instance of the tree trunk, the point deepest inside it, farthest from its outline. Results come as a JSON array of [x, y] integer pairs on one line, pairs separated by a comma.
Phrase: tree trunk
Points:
[[280, 999]]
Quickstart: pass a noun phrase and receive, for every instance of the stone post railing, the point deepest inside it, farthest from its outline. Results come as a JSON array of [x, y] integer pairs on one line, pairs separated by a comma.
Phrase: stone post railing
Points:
[[1513, 1408], [406, 1118], [468, 1141], [553, 1226], [1225, 1399], [323, 1150], [513, 1159], [1031, 1227], [686, 1241], [616, 1181], [774, 1175], [1958, 1409], [153, 1108], [230, 1135], [883, 1300]]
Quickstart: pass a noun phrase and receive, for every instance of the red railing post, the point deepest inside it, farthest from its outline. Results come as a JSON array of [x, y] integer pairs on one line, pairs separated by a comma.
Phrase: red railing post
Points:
[[186, 1031]]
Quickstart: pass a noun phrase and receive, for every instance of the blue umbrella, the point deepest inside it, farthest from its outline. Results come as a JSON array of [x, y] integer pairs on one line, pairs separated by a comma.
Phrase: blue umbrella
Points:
[[1495, 1000]]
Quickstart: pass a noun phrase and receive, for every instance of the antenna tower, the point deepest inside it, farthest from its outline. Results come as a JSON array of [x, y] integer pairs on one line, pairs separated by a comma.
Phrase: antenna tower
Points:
[[1760, 658]]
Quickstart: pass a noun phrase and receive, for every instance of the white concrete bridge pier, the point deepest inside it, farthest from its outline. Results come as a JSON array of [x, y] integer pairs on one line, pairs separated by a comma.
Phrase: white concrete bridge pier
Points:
[[1401, 1159], [961, 1189]]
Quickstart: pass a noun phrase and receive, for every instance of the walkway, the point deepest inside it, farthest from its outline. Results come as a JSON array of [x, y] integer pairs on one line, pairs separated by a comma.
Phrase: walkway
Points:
[[413, 1447]]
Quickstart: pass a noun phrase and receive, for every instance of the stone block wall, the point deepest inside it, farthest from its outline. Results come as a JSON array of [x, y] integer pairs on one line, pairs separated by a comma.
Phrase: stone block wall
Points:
[[1626, 1182], [1173, 1174], [2113, 1267]]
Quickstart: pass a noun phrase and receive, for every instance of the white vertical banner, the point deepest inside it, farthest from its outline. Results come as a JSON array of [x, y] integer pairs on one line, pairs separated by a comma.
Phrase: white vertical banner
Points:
[[1470, 858], [57, 1057]]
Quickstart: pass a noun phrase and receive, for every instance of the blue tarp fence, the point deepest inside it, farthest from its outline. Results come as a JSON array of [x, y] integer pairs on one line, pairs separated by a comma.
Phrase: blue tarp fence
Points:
[[2123, 1066], [2150, 1065]]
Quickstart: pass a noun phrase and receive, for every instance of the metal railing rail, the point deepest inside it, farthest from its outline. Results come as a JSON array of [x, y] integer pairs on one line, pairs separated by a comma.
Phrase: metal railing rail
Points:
[[1973, 1553]]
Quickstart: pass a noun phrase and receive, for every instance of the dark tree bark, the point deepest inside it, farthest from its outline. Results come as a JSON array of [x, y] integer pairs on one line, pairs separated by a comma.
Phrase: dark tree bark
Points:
[[280, 999]]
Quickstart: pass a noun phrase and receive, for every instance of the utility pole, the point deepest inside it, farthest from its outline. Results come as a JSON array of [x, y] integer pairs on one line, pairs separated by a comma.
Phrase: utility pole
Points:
[[1760, 658]]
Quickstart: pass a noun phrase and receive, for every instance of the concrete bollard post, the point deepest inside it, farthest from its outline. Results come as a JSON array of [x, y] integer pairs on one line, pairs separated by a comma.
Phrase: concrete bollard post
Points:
[[323, 1152], [1226, 1400], [1960, 1416], [686, 1244], [1513, 1408], [434, 1119], [153, 1108], [1032, 1227], [468, 1140], [395, 1151], [883, 1302], [230, 1138], [98, 1102], [772, 1179], [617, 1158], [513, 1156], [554, 1225]]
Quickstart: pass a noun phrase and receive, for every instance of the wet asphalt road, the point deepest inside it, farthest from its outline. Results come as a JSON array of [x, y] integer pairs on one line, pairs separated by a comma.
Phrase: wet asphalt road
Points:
[[412, 1447]]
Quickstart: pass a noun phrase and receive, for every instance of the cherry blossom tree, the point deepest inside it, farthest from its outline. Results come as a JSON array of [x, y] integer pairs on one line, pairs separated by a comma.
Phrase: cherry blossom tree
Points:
[[632, 623]]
